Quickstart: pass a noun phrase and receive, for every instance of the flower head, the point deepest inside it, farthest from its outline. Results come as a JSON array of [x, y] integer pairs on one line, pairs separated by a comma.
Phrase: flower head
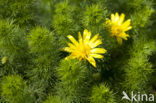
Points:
[[118, 27], [84, 48]]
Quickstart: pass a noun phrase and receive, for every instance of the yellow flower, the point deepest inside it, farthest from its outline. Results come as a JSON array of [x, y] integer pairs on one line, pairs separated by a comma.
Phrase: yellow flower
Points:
[[4, 60], [84, 48], [118, 27]]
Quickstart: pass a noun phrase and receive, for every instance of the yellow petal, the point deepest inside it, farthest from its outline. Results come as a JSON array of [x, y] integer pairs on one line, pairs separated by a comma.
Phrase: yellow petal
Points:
[[108, 21], [116, 17], [128, 28], [85, 32], [73, 55], [94, 38], [67, 49], [98, 50], [70, 57], [71, 46], [86, 35], [121, 18], [80, 38], [91, 61], [72, 39], [96, 43], [96, 56], [124, 36], [119, 40], [126, 23], [112, 17]]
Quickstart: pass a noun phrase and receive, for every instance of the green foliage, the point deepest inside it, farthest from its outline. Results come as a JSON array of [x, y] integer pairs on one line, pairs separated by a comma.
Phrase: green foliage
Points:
[[72, 71], [102, 94], [94, 17], [13, 45], [141, 15], [138, 68], [52, 99], [44, 10], [64, 22], [45, 51], [75, 79], [15, 90], [19, 10]]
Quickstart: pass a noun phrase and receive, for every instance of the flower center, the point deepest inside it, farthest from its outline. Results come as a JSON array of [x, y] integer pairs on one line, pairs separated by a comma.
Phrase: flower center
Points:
[[85, 51], [116, 30]]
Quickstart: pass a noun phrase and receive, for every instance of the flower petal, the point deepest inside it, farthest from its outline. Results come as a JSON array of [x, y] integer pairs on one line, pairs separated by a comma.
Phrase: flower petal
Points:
[[126, 23], [124, 36], [71, 56], [91, 61], [71, 46], [116, 17], [72, 40], [94, 38], [112, 17], [121, 19], [86, 36], [80, 38], [96, 43], [67, 49], [96, 56], [98, 50], [128, 28]]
